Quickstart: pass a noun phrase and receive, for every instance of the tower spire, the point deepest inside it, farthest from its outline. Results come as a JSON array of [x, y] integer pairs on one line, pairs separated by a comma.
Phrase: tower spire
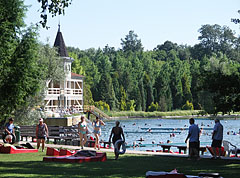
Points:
[[59, 43]]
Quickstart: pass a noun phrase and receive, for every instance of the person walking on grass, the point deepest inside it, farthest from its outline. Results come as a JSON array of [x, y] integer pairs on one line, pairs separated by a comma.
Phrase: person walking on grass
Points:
[[41, 133], [118, 134], [97, 131], [193, 136], [82, 131], [217, 138]]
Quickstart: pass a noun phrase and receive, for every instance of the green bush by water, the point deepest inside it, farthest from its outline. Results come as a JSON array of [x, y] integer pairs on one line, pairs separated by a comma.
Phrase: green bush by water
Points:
[[152, 114]]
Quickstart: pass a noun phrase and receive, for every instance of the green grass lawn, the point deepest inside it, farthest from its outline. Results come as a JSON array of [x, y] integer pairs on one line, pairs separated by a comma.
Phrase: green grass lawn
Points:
[[31, 165]]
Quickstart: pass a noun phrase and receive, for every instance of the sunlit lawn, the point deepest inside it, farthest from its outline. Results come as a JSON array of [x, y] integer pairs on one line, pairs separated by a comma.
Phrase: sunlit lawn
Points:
[[31, 165]]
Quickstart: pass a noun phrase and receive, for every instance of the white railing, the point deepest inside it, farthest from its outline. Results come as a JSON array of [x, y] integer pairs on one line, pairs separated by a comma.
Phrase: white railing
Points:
[[53, 91], [56, 91]]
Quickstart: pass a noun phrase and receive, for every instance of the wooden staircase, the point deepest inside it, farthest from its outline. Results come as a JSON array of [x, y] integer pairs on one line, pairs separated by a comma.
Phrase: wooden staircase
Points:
[[90, 109]]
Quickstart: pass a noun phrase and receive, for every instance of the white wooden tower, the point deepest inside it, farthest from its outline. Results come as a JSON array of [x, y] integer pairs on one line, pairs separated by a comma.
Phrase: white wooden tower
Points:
[[65, 96]]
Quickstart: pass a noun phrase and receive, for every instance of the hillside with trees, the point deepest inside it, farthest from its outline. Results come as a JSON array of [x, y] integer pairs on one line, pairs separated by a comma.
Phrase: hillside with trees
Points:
[[169, 77]]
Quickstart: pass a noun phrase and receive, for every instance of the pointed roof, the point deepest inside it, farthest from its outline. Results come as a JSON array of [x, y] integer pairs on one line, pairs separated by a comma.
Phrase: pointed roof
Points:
[[60, 45]]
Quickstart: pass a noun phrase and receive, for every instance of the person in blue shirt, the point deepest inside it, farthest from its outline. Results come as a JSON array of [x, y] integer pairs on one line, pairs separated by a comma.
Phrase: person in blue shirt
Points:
[[217, 138], [9, 130], [193, 136]]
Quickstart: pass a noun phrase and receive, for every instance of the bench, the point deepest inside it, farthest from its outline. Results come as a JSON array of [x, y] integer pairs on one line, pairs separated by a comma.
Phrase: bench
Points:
[[181, 148], [105, 144], [28, 131], [166, 148], [54, 132], [184, 149], [91, 143], [70, 134]]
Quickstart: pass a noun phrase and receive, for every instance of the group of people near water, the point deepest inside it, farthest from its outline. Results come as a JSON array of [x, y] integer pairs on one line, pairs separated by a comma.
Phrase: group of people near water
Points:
[[83, 131], [42, 133], [117, 134], [194, 139]]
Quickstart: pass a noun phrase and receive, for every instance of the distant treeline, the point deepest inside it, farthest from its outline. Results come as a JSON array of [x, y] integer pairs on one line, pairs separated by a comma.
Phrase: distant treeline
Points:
[[169, 77]]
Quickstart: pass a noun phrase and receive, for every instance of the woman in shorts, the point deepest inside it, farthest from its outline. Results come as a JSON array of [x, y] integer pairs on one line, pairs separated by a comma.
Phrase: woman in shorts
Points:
[[41, 133]]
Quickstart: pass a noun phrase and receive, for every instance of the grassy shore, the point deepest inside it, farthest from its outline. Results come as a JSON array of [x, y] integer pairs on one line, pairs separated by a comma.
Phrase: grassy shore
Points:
[[182, 114], [152, 114], [31, 165]]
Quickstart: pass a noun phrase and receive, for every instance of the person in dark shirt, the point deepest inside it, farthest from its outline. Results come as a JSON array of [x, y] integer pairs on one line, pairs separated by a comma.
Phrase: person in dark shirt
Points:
[[41, 133], [118, 134]]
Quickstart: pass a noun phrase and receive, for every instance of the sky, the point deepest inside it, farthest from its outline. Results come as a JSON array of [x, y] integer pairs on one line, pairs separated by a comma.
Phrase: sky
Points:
[[97, 23]]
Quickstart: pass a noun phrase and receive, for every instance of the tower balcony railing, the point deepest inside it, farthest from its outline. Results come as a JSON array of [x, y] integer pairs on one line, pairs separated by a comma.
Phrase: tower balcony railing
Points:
[[67, 91], [53, 91]]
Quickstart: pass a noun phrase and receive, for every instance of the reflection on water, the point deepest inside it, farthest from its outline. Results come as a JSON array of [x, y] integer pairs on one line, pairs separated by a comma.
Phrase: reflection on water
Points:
[[155, 131]]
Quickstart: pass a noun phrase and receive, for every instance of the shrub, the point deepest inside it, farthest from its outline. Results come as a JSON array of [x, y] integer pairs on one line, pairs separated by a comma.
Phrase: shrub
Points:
[[188, 106], [102, 105], [153, 107], [131, 105]]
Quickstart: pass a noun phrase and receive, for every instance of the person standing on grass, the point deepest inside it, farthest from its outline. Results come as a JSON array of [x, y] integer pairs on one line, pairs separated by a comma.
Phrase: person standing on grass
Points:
[[82, 131], [41, 133], [193, 136], [97, 131], [217, 138], [118, 134]]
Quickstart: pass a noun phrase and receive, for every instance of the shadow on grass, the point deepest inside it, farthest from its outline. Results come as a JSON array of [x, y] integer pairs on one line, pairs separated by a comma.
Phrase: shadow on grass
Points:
[[126, 166]]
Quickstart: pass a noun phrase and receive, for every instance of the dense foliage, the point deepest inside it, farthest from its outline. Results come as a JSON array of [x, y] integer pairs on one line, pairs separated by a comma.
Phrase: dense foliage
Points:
[[25, 65], [169, 77]]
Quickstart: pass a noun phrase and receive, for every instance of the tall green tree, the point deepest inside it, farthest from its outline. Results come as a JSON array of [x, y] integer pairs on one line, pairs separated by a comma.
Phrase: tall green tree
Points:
[[23, 76], [21, 72], [215, 39], [14, 58], [123, 102], [50, 67], [131, 43]]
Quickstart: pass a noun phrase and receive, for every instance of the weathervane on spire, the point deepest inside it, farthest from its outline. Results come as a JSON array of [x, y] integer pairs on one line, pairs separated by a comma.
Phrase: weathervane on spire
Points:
[[59, 24]]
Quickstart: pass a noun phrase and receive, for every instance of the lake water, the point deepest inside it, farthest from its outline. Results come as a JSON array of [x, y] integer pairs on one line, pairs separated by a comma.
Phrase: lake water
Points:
[[162, 130]]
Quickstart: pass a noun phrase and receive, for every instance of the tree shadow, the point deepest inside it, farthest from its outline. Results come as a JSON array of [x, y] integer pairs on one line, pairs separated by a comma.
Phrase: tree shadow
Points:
[[126, 166]]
